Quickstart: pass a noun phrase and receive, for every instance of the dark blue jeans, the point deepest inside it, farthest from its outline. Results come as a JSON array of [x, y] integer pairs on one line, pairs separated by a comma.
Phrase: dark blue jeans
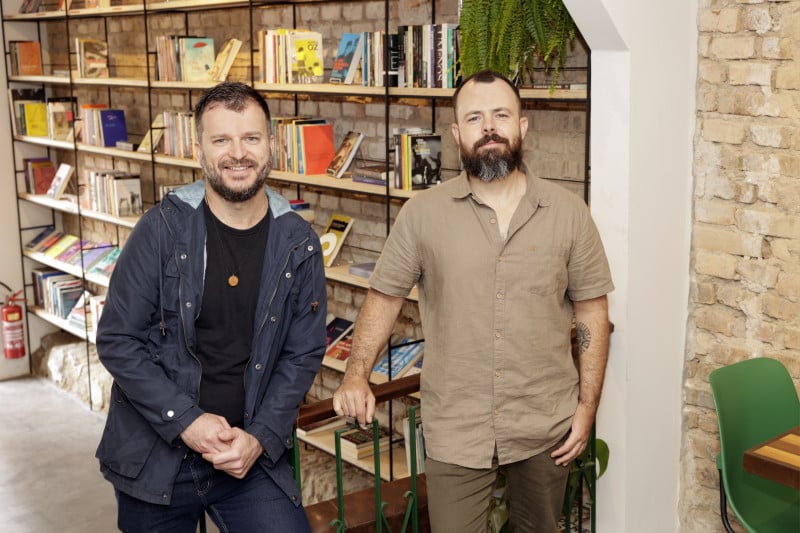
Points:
[[254, 504]]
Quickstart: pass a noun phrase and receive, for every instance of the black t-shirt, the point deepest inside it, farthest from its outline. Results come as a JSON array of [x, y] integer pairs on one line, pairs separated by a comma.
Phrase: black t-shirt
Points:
[[225, 325]]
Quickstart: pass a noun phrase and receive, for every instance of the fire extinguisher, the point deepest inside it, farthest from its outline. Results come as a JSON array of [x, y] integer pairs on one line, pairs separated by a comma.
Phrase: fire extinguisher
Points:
[[13, 330]]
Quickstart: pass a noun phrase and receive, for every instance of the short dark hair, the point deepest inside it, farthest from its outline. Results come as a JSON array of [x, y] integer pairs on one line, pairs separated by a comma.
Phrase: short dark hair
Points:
[[485, 76], [232, 95]]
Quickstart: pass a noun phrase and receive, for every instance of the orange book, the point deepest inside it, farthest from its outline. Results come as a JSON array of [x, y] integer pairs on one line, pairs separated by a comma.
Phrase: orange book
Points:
[[317, 147], [27, 58]]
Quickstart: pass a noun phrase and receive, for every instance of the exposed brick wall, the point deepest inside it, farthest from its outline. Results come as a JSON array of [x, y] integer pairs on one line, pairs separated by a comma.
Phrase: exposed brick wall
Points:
[[745, 262]]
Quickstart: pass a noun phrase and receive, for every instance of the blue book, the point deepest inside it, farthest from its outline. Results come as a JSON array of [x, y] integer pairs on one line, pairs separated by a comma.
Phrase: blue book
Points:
[[112, 126], [405, 353], [347, 56]]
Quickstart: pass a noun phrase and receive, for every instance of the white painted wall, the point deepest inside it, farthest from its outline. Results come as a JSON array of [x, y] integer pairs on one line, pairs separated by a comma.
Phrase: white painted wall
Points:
[[643, 86]]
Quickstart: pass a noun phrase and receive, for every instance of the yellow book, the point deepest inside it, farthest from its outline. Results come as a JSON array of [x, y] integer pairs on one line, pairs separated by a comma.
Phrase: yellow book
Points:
[[333, 237], [60, 245], [36, 119]]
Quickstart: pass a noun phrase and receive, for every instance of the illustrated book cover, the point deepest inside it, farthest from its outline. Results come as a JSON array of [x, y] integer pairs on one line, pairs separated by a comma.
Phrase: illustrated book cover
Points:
[[60, 181], [345, 153], [332, 238], [348, 57], [197, 58]]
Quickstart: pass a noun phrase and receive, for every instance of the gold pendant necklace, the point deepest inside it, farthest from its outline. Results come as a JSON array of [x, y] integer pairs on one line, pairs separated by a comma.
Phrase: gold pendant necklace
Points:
[[233, 279]]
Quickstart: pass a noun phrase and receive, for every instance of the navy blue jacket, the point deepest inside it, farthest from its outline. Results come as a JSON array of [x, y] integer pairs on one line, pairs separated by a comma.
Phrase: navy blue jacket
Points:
[[146, 339]]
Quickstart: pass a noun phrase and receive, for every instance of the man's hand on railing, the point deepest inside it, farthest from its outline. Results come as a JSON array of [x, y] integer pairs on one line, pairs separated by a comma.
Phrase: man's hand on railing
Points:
[[354, 398]]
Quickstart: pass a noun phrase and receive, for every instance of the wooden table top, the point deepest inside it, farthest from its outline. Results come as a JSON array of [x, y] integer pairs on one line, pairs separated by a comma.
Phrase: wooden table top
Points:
[[778, 459]]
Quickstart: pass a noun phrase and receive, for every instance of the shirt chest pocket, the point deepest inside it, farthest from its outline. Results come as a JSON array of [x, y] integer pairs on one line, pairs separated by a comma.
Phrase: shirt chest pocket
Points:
[[540, 270]]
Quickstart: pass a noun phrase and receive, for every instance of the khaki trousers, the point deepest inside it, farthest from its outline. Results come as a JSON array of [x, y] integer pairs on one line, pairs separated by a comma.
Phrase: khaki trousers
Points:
[[459, 497]]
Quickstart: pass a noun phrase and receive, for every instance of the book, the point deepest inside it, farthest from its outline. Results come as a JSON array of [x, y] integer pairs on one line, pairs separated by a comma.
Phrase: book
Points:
[[196, 58], [224, 60], [96, 304], [316, 147], [90, 254], [58, 247], [337, 328], [326, 424], [373, 170], [337, 353], [358, 443], [426, 160], [92, 57], [60, 181], [306, 65], [26, 58], [345, 153], [112, 126], [39, 173], [126, 196], [363, 270], [105, 265], [332, 238], [39, 237], [35, 116], [17, 98], [71, 250], [46, 242], [37, 276], [153, 136], [404, 354], [347, 59], [61, 116]]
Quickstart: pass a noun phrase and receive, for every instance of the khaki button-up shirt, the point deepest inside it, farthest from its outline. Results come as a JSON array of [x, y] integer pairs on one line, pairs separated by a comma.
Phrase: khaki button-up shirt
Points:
[[496, 313]]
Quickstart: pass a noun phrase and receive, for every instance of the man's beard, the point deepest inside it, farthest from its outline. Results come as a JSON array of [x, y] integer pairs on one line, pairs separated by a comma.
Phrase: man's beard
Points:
[[214, 178], [491, 164]]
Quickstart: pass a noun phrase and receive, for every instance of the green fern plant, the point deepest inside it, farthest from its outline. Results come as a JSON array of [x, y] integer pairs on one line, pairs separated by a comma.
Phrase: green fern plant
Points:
[[510, 36]]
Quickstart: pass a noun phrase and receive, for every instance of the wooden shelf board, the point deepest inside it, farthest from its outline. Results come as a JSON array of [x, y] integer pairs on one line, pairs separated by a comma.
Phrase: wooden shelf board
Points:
[[60, 322], [342, 274], [325, 441], [67, 206]]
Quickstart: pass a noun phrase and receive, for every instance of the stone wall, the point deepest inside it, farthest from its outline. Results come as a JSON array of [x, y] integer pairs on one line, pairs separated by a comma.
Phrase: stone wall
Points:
[[745, 258]]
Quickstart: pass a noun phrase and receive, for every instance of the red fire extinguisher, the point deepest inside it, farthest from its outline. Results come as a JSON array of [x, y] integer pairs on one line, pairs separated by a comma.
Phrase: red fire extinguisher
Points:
[[13, 331]]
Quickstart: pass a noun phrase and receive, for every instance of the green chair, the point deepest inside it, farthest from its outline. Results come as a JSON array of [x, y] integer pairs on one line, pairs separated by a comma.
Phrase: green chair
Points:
[[755, 400]]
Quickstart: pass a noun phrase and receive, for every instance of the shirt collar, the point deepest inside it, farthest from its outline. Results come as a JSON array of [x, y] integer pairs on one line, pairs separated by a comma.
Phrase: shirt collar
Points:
[[533, 193]]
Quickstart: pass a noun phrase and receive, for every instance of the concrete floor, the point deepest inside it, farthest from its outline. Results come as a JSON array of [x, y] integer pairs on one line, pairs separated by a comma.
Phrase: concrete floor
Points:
[[49, 479]]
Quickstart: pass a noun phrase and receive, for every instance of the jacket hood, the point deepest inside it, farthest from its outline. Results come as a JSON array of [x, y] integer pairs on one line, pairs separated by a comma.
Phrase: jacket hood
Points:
[[194, 193]]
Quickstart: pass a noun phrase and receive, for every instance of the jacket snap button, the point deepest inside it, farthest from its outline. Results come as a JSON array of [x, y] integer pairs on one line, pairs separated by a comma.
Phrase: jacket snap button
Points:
[[188, 304], [170, 413], [273, 319], [183, 257], [288, 275], [310, 248], [258, 366]]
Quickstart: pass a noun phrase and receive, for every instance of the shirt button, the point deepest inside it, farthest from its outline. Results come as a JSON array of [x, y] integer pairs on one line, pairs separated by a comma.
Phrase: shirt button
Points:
[[500, 259], [498, 334], [170, 413], [497, 373], [499, 295], [497, 412], [492, 221]]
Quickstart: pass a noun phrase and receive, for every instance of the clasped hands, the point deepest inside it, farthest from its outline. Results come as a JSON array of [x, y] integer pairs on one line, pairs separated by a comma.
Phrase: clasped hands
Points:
[[229, 449]]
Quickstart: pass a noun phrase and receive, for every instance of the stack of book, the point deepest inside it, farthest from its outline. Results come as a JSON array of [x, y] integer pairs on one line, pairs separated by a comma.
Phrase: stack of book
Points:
[[321, 426], [39, 174], [92, 57], [111, 191], [184, 58], [291, 56], [303, 145], [418, 158], [358, 443], [102, 126], [28, 112], [178, 133]]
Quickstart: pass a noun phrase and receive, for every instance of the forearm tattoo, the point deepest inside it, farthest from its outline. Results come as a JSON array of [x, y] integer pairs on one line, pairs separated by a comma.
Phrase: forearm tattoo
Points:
[[584, 337]]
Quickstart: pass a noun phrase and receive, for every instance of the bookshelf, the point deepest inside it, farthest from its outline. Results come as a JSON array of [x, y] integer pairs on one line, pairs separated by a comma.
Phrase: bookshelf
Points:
[[132, 86]]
